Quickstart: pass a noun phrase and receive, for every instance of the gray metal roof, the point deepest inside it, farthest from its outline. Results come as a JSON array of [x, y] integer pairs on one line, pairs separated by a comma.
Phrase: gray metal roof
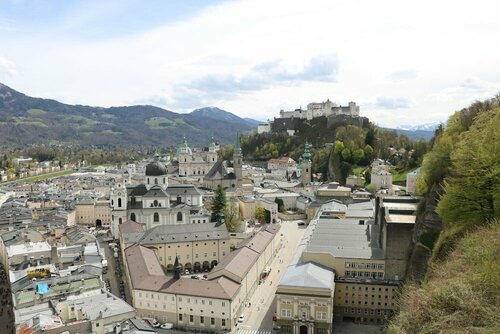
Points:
[[345, 238], [183, 233], [308, 276]]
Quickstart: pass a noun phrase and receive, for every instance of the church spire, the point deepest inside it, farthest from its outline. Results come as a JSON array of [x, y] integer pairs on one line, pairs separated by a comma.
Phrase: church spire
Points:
[[177, 268]]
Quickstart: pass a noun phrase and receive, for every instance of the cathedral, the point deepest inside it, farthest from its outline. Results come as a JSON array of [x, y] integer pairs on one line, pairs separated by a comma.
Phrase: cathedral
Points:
[[156, 202], [196, 162]]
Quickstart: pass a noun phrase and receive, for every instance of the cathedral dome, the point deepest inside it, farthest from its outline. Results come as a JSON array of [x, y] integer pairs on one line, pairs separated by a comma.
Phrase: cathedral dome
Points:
[[156, 168]]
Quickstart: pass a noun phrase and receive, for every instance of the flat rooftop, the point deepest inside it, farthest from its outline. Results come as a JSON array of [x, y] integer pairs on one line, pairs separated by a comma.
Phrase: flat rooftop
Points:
[[345, 238]]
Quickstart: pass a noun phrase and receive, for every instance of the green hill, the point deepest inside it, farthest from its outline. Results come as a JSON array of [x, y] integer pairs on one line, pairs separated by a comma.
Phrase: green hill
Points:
[[456, 247], [26, 120]]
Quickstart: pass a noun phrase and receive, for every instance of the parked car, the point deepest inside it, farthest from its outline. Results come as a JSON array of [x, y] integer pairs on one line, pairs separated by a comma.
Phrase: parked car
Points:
[[167, 326], [155, 323], [241, 318]]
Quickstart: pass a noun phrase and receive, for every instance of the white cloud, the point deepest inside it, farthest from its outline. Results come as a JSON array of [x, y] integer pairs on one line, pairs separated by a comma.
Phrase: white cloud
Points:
[[392, 102], [7, 68], [250, 57], [402, 75]]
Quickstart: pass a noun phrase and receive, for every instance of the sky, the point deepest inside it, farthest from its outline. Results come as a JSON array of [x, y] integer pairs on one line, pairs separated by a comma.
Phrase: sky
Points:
[[403, 62]]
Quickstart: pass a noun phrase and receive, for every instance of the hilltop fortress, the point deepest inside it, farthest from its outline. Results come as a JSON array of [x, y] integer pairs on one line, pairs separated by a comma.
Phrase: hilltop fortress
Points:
[[327, 108], [289, 121]]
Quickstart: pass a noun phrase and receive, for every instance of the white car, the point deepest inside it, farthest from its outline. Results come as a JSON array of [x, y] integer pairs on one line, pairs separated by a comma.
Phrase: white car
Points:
[[241, 318], [155, 323], [167, 326]]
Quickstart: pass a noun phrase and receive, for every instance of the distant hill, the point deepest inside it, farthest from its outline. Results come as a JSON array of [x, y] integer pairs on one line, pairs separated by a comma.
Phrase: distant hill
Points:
[[26, 120], [222, 115], [415, 134]]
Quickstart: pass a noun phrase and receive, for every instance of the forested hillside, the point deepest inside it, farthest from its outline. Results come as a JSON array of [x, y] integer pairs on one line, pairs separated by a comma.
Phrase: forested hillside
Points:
[[338, 151], [460, 181], [26, 120]]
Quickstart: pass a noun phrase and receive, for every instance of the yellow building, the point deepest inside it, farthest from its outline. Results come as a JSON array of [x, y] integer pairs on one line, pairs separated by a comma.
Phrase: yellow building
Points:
[[211, 304], [304, 300], [198, 247]]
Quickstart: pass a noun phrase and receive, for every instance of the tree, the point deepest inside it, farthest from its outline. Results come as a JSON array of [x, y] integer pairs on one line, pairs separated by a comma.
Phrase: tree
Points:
[[472, 188], [357, 155], [260, 214], [371, 188], [226, 152], [232, 217], [218, 204]]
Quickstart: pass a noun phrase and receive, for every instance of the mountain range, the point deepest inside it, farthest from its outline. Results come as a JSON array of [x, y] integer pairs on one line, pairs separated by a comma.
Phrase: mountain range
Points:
[[26, 120]]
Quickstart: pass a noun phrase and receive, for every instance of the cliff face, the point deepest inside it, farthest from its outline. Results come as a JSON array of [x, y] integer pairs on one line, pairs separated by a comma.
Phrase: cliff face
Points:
[[427, 227]]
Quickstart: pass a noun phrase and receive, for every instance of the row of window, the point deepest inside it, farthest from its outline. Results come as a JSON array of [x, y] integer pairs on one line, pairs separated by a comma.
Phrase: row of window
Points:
[[156, 180], [187, 300], [366, 274], [202, 320], [356, 265], [366, 296], [287, 313], [156, 217], [196, 256], [187, 245], [359, 288], [354, 310], [287, 329], [371, 303]]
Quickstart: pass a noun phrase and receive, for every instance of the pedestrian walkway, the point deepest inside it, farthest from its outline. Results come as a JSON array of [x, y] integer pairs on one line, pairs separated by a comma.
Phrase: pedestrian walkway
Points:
[[250, 331]]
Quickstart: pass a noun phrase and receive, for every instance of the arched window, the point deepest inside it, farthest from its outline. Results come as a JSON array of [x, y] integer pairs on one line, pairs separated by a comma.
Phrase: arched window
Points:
[[156, 180], [155, 203], [119, 220], [132, 216], [179, 216], [148, 180], [156, 217], [112, 202], [119, 202], [163, 180]]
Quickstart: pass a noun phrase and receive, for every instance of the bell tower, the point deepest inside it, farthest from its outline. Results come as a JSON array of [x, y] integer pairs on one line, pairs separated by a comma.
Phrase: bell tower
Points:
[[238, 162], [118, 201], [305, 161]]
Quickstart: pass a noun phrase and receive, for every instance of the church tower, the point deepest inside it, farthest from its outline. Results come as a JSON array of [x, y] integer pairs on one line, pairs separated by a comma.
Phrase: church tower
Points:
[[212, 152], [184, 156], [118, 201], [305, 162], [238, 162]]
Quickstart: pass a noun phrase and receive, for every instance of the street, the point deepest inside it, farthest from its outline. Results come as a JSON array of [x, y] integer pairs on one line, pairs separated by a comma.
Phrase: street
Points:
[[259, 316], [114, 276]]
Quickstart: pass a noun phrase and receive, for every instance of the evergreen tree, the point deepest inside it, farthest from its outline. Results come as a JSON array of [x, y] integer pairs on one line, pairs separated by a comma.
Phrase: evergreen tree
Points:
[[218, 204]]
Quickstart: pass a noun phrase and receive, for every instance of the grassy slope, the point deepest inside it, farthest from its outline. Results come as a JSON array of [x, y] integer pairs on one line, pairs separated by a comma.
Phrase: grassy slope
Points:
[[401, 177], [35, 178], [460, 294]]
